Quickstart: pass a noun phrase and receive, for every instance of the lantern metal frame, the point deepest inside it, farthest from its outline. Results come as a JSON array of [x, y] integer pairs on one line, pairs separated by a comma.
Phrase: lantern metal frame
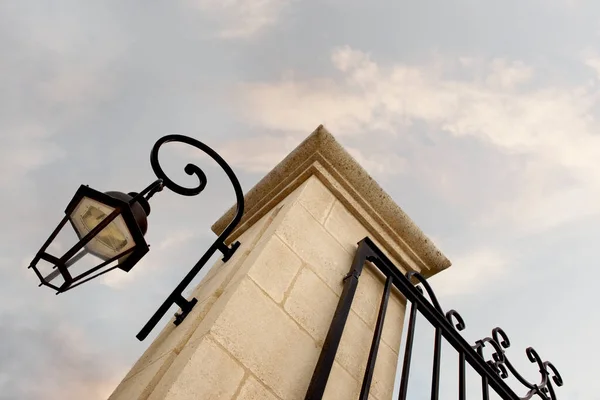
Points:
[[62, 264]]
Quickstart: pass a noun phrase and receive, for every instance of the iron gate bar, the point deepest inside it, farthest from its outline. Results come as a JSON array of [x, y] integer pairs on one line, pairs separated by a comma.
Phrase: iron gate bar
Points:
[[462, 382], [492, 372], [410, 337], [318, 382], [366, 385], [437, 355], [484, 381], [368, 251], [436, 318]]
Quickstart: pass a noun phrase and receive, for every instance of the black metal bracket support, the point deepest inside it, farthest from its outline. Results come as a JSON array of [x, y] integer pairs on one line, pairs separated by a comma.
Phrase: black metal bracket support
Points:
[[228, 251], [176, 297], [185, 307]]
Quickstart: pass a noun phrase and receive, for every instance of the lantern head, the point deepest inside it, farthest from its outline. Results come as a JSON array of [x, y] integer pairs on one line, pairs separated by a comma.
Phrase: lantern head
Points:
[[109, 229]]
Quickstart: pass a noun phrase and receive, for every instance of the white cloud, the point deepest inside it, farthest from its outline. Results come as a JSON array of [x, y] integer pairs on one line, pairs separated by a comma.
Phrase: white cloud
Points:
[[258, 154], [554, 127], [471, 273], [379, 164], [505, 74], [27, 148], [119, 279], [75, 86], [176, 239], [242, 18], [301, 106]]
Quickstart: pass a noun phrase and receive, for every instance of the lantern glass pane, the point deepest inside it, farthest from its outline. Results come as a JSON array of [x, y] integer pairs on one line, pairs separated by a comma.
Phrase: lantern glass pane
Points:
[[112, 240], [50, 273], [84, 264]]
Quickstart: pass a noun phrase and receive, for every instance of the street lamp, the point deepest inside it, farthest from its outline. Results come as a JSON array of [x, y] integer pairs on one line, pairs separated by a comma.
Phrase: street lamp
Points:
[[110, 227]]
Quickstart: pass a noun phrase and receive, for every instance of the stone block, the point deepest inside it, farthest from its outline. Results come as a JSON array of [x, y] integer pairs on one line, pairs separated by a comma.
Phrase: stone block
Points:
[[314, 245], [254, 390], [341, 385], [275, 268], [348, 231], [312, 304], [355, 344], [267, 341], [173, 338], [140, 385], [203, 371], [368, 295], [317, 199], [384, 375], [345, 227], [394, 320]]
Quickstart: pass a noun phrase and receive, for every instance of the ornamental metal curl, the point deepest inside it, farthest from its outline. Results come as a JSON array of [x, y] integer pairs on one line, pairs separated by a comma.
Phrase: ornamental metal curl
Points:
[[428, 289], [452, 316], [192, 169], [176, 297], [503, 366]]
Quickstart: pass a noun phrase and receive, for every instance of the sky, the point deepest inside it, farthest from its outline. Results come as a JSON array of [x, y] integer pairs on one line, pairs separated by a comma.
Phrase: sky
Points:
[[479, 118]]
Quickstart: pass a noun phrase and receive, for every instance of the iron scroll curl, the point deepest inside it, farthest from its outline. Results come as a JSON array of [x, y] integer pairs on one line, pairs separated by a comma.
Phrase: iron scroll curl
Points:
[[192, 169]]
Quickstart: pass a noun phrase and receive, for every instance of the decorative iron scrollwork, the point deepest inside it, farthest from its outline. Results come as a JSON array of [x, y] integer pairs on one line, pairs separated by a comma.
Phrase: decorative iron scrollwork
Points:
[[452, 316], [503, 366], [498, 342], [192, 169], [176, 297]]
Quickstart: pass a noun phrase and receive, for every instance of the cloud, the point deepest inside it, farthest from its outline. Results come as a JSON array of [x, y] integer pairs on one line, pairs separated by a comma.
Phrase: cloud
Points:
[[300, 106], [54, 75], [258, 154], [63, 365], [380, 164], [242, 18], [118, 279], [28, 148], [472, 273], [552, 128]]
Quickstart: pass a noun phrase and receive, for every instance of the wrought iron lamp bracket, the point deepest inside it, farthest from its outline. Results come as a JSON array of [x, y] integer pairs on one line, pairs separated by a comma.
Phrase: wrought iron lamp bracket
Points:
[[176, 297]]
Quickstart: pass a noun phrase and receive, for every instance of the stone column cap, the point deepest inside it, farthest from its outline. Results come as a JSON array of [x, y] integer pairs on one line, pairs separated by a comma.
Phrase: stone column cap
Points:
[[321, 148]]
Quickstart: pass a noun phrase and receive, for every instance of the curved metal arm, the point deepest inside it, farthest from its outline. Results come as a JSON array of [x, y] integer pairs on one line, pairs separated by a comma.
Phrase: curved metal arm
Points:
[[176, 297], [192, 169], [428, 289]]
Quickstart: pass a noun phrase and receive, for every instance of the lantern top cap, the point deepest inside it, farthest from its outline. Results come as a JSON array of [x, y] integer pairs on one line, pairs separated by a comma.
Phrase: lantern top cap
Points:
[[321, 152]]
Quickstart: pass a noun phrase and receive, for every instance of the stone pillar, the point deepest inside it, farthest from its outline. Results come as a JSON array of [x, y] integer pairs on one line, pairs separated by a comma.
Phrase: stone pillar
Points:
[[261, 317]]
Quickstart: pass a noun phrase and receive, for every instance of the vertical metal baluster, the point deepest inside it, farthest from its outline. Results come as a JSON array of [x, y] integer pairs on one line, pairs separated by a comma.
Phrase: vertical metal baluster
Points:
[[366, 385], [462, 389], [410, 336], [437, 354], [485, 390]]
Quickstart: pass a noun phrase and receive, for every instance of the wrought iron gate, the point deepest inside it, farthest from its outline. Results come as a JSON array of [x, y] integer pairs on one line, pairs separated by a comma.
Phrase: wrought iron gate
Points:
[[492, 372]]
